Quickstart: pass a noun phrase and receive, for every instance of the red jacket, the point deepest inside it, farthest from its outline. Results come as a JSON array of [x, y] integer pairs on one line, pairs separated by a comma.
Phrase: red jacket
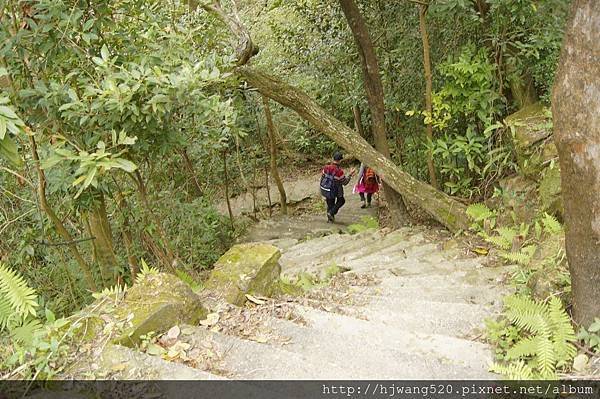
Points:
[[340, 178]]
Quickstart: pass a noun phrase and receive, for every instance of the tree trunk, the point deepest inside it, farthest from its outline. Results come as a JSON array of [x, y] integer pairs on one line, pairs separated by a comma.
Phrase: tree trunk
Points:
[[358, 121], [440, 206], [58, 224], [428, 91], [126, 232], [576, 110], [170, 258], [190, 168], [103, 242], [273, 154], [374, 89], [226, 175]]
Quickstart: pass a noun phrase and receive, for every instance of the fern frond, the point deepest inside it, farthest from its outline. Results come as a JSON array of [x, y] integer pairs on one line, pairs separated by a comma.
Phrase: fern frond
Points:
[[518, 370], [523, 257], [545, 358], [551, 224], [479, 212], [26, 332], [525, 313], [189, 280], [15, 290], [524, 348], [115, 292], [145, 271], [563, 332], [6, 313]]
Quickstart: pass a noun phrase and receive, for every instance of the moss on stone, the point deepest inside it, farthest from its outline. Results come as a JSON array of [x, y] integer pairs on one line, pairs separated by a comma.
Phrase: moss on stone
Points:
[[532, 130], [550, 191], [156, 304], [245, 269]]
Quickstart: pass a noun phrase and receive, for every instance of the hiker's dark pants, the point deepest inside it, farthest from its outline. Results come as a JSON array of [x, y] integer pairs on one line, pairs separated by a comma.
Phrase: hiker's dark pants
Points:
[[369, 197], [334, 205]]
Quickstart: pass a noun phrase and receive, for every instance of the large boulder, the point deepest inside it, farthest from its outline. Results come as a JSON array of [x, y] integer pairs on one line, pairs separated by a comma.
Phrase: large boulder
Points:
[[245, 269], [531, 129], [156, 303]]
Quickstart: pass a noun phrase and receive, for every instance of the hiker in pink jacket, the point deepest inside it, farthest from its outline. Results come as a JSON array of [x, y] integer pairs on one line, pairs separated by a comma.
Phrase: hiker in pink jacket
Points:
[[368, 183]]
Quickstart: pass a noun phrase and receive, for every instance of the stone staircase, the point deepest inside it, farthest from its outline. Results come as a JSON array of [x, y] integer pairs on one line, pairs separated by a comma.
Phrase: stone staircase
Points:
[[406, 306]]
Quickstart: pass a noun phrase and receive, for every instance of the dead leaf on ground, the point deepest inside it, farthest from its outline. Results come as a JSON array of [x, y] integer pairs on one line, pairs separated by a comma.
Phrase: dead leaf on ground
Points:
[[211, 320], [253, 299]]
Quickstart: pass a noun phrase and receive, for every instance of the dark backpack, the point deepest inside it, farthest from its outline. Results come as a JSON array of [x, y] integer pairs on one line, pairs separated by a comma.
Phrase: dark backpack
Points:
[[328, 186]]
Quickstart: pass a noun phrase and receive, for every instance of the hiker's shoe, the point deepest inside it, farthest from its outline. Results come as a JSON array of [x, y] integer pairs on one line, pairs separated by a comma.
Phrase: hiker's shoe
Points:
[[368, 205], [330, 218], [363, 206]]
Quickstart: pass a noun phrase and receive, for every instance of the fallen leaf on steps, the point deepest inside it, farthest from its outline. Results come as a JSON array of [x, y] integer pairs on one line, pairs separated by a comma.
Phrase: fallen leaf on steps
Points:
[[119, 367], [174, 332], [155, 350], [262, 339], [580, 363], [211, 320], [480, 250], [253, 299], [187, 331]]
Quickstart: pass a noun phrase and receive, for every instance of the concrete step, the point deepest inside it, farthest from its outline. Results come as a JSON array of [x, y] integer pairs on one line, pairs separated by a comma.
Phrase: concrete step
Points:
[[431, 355], [373, 357], [436, 288], [244, 359], [130, 364]]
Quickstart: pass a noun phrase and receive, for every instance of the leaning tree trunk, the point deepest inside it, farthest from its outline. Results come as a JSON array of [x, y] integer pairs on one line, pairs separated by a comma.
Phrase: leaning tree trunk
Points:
[[273, 156], [103, 242], [576, 110], [440, 206], [374, 89], [428, 90]]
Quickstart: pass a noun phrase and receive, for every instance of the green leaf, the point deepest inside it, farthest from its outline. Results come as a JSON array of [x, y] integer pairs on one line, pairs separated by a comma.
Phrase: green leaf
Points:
[[2, 128], [8, 150], [104, 53], [50, 317], [7, 112], [125, 164]]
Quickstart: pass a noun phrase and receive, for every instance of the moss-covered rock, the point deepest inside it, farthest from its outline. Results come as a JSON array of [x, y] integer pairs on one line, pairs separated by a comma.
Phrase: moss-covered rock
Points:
[[245, 269], [156, 304], [550, 191], [532, 138]]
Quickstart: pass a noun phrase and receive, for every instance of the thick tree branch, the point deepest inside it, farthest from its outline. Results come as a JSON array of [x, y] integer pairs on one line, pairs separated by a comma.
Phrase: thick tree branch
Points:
[[245, 48], [440, 206]]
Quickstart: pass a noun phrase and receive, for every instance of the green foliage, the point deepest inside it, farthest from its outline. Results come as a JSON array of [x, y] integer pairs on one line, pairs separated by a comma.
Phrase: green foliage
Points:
[[542, 342], [189, 280], [18, 301], [591, 336], [10, 125], [145, 271], [480, 214]]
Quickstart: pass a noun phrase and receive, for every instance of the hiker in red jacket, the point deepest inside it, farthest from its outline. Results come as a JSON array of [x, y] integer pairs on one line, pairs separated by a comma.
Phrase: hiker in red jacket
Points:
[[333, 181]]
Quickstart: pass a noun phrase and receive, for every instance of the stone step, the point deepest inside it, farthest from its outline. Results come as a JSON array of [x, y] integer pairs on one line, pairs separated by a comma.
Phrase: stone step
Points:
[[445, 318], [434, 350], [316, 259], [373, 357], [130, 364], [436, 288], [243, 359]]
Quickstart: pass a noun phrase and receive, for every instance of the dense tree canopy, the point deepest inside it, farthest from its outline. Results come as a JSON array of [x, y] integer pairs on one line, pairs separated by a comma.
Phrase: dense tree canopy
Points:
[[126, 124]]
